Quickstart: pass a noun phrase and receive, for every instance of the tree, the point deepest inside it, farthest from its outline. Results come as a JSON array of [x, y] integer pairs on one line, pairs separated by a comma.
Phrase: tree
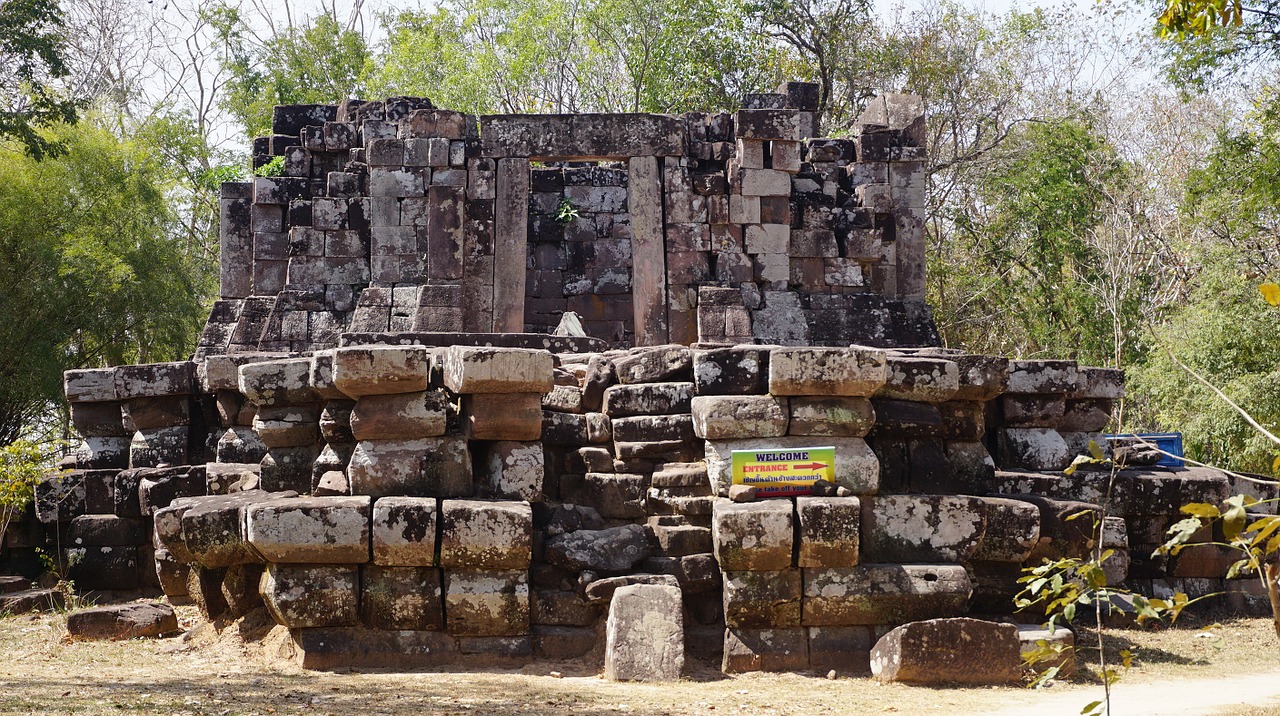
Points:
[[31, 62], [90, 273]]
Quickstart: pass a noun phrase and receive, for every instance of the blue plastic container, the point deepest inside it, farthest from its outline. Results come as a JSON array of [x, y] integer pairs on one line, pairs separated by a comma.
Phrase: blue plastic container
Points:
[[1169, 442]]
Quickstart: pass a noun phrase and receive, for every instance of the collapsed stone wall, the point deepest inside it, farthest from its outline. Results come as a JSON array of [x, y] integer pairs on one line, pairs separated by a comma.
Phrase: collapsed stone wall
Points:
[[723, 227], [422, 505]]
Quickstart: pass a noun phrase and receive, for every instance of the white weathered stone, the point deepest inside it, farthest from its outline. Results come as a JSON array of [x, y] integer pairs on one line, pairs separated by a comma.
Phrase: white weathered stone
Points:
[[515, 470], [487, 603], [310, 530], [381, 370], [644, 635], [1034, 449], [89, 386], [483, 535], [277, 382], [300, 596], [404, 531], [927, 380], [921, 528], [884, 594], [427, 467], [720, 417], [752, 536], [498, 370], [827, 371]]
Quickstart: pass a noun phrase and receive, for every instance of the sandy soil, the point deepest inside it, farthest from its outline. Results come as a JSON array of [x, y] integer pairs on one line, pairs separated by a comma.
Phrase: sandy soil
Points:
[[1182, 672]]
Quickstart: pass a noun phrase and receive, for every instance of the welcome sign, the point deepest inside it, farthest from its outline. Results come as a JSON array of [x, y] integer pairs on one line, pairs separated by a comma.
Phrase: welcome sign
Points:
[[784, 472]]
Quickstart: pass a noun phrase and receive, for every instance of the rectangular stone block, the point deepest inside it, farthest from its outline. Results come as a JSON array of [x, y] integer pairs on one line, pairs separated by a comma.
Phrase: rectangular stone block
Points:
[[747, 650], [644, 636], [922, 379], [213, 528], [381, 370], [402, 416], [874, 594], [90, 385], [426, 467], [315, 529], [833, 416], [762, 599], [401, 598], [748, 416], [844, 650], [154, 380], [277, 382], [513, 470], [497, 370], [617, 496], [499, 416], [829, 528], [783, 124], [404, 531], [753, 536], [1042, 376], [741, 370], [478, 535], [486, 603], [921, 528], [827, 371], [312, 595], [621, 401]]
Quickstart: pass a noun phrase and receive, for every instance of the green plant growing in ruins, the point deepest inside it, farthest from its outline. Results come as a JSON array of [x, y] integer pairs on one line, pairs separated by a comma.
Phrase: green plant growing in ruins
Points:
[[566, 212], [273, 168], [22, 464]]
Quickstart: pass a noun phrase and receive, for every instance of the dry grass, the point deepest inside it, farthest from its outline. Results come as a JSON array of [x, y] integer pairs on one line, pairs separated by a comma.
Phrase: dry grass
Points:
[[222, 674]]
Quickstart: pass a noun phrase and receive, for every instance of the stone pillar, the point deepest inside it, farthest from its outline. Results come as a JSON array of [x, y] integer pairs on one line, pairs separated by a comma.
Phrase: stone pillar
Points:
[[510, 245], [649, 272]]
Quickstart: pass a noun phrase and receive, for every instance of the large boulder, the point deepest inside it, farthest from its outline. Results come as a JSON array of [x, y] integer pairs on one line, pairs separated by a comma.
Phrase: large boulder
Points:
[[123, 621]]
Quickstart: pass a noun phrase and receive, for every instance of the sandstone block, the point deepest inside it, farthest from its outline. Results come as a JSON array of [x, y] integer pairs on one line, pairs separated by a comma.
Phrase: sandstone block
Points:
[[105, 531], [514, 470], [1032, 637], [617, 549], [287, 426], [288, 468], [963, 419], [479, 603], [960, 650], [400, 416], [752, 536], [655, 365], [1032, 411], [159, 412], [921, 528], [478, 535], [751, 416], [123, 621], [401, 598], [923, 379], [981, 377], [1088, 416], [99, 420], [381, 370], [563, 608], [827, 371], [1012, 530], [828, 531], [831, 416], [154, 380], [1042, 376], [497, 370], [562, 642], [171, 574], [503, 416], [741, 370], [613, 495], [872, 594], [1098, 384], [212, 528], [157, 446], [277, 382], [681, 540], [563, 399], [404, 531], [1033, 449], [322, 375], [844, 650], [652, 429], [103, 453], [762, 599], [240, 444], [645, 634], [310, 530], [90, 386], [312, 595], [622, 401], [748, 650], [857, 467], [427, 467]]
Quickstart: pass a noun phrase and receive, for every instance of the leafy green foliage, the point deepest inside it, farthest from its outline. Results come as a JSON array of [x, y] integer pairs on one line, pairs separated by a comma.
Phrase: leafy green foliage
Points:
[[94, 268], [317, 61], [31, 61], [22, 464], [566, 212], [273, 168]]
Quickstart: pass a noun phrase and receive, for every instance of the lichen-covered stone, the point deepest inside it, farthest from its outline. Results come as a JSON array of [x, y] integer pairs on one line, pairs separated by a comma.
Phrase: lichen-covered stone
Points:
[[925, 379], [154, 380], [644, 636], [740, 370], [404, 531], [1033, 449], [752, 536], [844, 650], [514, 470], [827, 371], [921, 528], [310, 530], [828, 531], [287, 426], [1042, 376], [622, 401], [732, 416], [944, 651], [427, 467], [480, 535], [884, 594], [277, 382], [90, 385], [312, 595], [747, 650], [381, 370], [655, 364], [1012, 530], [122, 621], [831, 416], [470, 370], [401, 598], [617, 549], [157, 446], [1098, 384], [762, 599], [400, 416], [486, 603], [212, 528]]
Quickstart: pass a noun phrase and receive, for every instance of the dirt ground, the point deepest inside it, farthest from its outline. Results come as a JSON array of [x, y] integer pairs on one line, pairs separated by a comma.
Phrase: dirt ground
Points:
[[1194, 669]]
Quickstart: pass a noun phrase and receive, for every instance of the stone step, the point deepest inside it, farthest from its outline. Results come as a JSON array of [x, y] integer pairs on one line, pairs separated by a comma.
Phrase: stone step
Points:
[[11, 583], [30, 600]]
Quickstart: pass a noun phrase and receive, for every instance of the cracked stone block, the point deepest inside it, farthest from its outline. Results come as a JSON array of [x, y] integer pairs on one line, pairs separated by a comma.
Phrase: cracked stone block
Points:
[[310, 530], [921, 528], [400, 416], [427, 467], [478, 535], [312, 595], [828, 531], [827, 371], [752, 536], [401, 598], [404, 531], [644, 635], [486, 603], [762, 599], [497, 370], [732, 416], [381, 370], [871, 594]]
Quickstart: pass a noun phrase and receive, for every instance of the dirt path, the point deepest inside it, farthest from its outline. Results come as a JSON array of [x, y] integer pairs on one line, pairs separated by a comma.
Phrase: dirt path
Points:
[[1179, 697]]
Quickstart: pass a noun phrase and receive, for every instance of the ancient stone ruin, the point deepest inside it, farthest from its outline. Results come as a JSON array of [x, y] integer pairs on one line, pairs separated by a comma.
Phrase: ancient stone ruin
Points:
[[380, 441]]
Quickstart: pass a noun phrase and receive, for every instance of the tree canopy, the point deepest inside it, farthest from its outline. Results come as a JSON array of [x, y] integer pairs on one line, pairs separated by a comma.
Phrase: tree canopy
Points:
[[31, 61]]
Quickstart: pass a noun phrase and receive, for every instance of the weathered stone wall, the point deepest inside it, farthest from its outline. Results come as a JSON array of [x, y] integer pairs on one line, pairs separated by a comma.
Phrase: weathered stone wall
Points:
[[395, 216]]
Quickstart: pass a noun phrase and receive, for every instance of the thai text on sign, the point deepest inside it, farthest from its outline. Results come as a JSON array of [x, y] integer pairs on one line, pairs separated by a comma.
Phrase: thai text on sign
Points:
[[784, 472]]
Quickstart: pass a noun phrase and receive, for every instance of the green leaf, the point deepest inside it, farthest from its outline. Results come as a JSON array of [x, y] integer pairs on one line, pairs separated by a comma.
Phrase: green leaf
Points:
[[1233, 521], [1090, 708], [1200, 509], [1096, 451]]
